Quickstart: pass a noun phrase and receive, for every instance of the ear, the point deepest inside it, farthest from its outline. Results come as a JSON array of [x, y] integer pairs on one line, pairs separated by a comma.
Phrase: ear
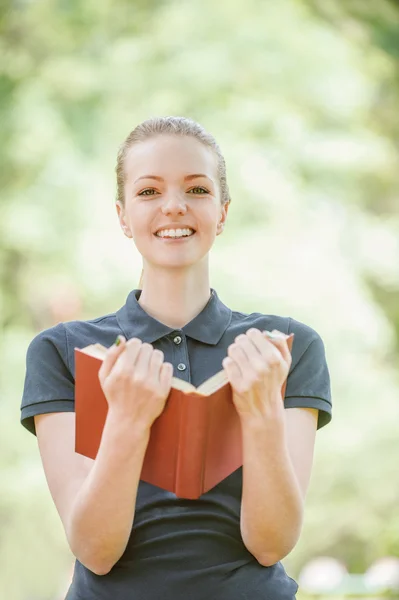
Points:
[[121, 216], [223, 217]]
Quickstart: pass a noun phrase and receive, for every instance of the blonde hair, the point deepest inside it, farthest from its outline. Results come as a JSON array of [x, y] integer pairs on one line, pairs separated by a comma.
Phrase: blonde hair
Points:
[[169, 125]]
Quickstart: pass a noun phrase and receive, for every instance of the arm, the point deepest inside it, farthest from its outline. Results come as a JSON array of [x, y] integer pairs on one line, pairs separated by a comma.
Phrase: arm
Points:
[[102, 514], [277, 449], [95, 499], [273, 489]]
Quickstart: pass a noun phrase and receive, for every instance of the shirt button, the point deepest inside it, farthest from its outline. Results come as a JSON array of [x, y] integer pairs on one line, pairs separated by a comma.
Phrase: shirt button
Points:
[[181, 367], [177, 339]]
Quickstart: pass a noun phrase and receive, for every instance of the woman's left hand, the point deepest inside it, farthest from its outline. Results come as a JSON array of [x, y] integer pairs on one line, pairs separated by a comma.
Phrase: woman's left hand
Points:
[[256, 367]]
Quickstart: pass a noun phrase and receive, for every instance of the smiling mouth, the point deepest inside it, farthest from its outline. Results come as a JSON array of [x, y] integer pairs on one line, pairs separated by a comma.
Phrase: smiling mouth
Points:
[[175, 239]]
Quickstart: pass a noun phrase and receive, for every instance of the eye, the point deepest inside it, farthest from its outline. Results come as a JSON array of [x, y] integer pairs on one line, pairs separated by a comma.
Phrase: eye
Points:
[[199, 188], [203, 191], [142, 193]]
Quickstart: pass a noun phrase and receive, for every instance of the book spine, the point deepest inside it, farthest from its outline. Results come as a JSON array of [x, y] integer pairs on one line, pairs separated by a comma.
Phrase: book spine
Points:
[[91, 406], [191, 452]]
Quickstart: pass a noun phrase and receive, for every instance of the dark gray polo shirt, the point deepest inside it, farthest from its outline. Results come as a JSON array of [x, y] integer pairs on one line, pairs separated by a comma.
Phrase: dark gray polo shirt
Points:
[[179, 549]]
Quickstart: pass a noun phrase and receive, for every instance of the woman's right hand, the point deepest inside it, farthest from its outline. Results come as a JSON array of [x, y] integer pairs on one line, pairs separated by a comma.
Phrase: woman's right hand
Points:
[[135, 380]]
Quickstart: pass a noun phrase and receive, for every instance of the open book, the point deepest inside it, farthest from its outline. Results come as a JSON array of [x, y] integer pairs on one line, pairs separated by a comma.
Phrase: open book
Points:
[[195, 442]]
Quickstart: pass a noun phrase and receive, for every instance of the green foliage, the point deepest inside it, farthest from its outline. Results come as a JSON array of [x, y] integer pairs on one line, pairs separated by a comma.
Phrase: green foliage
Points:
[[302, 98]]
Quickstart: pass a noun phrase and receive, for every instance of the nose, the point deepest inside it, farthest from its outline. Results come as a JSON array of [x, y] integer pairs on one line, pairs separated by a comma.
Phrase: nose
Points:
[[174, 203]]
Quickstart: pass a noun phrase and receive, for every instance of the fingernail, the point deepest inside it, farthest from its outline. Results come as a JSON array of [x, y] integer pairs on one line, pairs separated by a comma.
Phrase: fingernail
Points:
[[276, 334], [270, 334], [118, 340]]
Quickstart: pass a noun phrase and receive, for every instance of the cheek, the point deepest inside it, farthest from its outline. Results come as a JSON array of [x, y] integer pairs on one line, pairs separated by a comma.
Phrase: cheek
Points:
[[211, 214], [140, 218]]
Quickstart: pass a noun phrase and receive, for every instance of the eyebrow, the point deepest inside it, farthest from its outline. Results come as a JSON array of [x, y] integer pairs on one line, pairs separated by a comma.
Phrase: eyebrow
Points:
[[187, 178]]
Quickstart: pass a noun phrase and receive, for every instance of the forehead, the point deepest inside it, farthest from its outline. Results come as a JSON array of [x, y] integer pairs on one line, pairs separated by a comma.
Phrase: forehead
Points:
[[170, 155]]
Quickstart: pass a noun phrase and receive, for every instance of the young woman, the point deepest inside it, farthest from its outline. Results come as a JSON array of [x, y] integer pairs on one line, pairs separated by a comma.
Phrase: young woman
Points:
[[133, 540]]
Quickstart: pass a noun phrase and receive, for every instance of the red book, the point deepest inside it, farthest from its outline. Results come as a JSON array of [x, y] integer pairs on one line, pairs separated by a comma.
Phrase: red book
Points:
[[195, 442]]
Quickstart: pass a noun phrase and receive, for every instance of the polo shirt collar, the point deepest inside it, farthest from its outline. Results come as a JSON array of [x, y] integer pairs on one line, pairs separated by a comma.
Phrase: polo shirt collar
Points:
[[207, 327]]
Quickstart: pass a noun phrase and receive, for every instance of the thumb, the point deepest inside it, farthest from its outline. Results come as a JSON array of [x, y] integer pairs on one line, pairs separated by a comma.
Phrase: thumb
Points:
[[111, 356], [280, 340]]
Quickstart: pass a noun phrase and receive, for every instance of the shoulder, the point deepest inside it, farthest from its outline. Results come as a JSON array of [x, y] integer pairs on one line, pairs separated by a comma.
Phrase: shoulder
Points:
[[305, 335], [61, 339], [50, 364], [85, 331], [48, 340]]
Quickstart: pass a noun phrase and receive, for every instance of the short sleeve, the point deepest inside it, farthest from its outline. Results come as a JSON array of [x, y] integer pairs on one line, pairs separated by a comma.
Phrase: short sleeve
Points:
[[49, 384], [308, 382]]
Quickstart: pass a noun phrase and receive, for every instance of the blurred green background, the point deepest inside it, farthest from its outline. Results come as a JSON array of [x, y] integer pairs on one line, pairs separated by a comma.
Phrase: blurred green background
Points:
[[303, 100]]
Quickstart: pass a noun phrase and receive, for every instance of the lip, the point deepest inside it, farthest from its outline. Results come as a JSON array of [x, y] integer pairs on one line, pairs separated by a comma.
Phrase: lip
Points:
[[174, 226], [175, 240]]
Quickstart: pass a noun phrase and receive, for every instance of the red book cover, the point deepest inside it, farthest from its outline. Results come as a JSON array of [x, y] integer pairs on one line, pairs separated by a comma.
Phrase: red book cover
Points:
[[194, 444]]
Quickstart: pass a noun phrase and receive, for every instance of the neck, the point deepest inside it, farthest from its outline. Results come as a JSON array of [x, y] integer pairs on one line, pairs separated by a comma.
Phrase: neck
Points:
[[174, 298]]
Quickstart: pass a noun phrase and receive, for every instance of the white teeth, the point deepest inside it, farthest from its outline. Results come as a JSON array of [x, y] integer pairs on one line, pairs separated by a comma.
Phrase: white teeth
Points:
[[174, 232]]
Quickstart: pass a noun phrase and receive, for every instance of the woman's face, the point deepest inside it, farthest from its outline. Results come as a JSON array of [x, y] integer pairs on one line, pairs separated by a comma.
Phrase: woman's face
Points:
[[169, 181]]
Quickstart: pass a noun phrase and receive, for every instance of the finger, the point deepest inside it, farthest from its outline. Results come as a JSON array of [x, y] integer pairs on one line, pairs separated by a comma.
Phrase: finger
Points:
[[111, 356], [128, 359], [284, 337], [257, 339], [280, 342], [233, 371], [275, 334], [253, 342], [239, 356], [263, 350], [156, 361], [142, 363], [166, 374]]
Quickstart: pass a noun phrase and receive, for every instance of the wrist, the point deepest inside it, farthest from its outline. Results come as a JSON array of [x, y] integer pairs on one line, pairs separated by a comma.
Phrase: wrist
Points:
[[263, 436], [272, 423], [125, 423]]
